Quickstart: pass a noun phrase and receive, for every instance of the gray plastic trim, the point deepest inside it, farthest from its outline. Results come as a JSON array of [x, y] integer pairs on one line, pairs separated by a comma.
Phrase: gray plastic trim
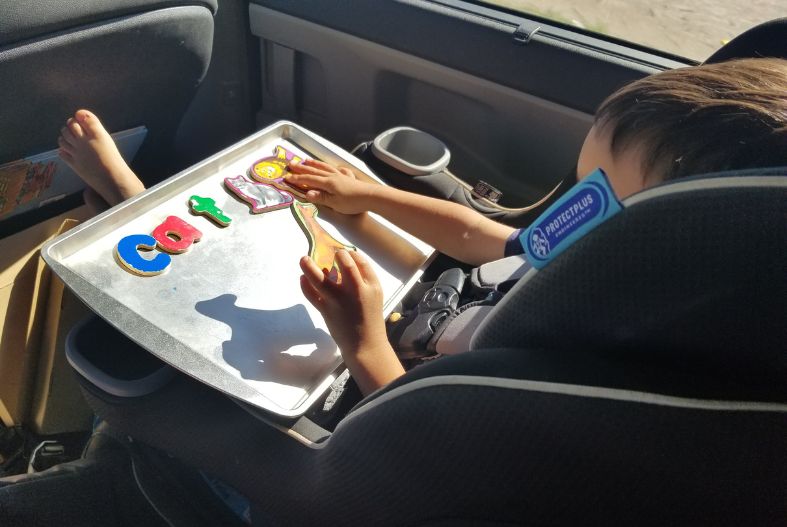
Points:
[[612, 394], [705, 184], [426, 152]]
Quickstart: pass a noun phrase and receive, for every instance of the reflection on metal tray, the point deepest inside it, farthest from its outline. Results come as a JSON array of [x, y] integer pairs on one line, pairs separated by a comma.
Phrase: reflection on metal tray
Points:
[[229, 311]]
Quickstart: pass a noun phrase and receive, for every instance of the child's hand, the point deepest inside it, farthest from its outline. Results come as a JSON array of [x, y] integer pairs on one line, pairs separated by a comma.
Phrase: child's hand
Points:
[[334, 187], [352, 310]]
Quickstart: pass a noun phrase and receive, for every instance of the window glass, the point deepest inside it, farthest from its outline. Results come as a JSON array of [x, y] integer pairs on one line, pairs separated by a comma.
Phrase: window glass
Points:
[[689, 28]]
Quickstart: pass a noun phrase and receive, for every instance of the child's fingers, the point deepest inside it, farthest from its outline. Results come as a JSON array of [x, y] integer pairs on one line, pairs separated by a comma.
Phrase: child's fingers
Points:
[[311, 294], [298, 168], [320, 165], [63, 144], [75, 128], [301, 168], [306, 180], [316, 197], [313, 274], [364, 268], [350, 273]]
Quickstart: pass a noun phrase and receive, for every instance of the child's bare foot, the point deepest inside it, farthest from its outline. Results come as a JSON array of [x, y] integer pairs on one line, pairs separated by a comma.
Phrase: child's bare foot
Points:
[[89, 150]]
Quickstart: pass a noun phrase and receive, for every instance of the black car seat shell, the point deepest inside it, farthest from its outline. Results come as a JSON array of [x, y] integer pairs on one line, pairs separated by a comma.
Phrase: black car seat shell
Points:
[[478, 449]]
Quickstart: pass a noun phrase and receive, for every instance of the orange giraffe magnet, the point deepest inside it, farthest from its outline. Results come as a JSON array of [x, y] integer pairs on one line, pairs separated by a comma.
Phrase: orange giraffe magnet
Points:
[[322, 246]]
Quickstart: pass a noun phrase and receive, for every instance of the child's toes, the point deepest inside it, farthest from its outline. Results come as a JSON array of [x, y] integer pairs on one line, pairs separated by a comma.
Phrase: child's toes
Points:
[[89, 123], [67, 135], [73, 126], [63, 143], [65, 155]]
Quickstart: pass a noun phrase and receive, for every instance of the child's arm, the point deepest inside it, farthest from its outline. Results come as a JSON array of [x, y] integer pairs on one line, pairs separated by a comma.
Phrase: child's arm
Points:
[[453, 229], [352, 309]]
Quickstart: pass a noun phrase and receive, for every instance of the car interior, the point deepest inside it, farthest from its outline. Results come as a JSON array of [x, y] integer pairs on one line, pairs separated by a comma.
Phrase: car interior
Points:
[[658, 399]]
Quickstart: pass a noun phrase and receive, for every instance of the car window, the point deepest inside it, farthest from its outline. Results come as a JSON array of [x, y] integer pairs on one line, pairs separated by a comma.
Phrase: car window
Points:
[[692, 29]]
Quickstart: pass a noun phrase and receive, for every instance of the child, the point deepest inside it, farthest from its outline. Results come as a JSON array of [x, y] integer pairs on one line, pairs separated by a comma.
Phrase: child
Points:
[[672, 124]]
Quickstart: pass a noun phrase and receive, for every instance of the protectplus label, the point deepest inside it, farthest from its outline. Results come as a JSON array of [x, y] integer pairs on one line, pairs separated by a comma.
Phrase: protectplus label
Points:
[[585, 206]]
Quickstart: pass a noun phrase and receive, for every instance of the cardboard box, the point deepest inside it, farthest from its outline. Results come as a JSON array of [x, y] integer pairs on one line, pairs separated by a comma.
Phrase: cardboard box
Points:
[[25, 292]]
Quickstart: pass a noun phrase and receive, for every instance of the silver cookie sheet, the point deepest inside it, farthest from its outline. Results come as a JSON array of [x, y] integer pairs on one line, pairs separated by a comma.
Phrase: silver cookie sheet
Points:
[[230, 311]]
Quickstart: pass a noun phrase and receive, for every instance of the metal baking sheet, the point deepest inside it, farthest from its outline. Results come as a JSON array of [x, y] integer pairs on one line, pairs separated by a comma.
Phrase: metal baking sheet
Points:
[[229, 311]]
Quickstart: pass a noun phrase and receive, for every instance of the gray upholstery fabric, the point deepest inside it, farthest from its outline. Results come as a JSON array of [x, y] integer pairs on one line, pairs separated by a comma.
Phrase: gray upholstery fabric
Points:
[[114, 483], [136, 70], [32, 19]]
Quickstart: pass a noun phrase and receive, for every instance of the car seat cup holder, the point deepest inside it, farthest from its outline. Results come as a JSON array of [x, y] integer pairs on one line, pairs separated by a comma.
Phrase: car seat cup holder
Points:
[[411, 151], [111, 362], [415, 161]]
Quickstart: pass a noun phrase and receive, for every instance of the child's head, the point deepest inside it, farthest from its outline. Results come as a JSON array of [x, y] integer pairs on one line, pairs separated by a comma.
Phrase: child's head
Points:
[[689, 121]]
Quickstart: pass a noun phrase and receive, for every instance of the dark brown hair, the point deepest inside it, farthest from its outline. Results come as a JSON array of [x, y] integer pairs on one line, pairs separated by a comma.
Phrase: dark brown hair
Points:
[[702, 119]]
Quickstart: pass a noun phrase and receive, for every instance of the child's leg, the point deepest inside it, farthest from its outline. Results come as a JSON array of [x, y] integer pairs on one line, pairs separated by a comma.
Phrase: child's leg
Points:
[[89, 150]]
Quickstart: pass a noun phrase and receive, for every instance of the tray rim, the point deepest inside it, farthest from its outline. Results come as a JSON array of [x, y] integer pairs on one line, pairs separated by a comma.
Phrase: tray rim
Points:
[[117, 314]]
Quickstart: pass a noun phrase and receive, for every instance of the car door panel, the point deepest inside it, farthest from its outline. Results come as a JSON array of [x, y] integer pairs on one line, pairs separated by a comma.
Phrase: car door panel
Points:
[[512, 114]]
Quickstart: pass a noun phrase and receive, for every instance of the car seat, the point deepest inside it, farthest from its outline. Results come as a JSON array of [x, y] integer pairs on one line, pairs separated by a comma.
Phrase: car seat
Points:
[[764, 40], [133, 62], [637, 379]]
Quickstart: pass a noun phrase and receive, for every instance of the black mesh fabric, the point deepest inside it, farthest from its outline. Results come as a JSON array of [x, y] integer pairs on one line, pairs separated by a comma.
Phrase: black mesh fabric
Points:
[[695, 280], [97, 490]]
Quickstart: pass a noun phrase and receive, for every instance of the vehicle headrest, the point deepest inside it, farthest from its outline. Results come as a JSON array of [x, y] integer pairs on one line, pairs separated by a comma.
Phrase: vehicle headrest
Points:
[[692, 273], [765, 40]]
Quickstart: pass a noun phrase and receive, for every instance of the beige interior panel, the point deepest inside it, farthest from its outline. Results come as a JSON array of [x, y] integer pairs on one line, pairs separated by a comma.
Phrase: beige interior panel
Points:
[[24, 292], [58, 405]]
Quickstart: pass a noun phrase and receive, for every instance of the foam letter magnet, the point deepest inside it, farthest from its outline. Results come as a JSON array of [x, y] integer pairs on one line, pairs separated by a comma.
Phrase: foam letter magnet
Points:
[[175, 235], [207, 207], [127, 253]]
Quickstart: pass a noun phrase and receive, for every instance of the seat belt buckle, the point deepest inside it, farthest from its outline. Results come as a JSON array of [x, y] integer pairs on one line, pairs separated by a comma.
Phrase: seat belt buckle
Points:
[[410, 334], [484, 190]]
